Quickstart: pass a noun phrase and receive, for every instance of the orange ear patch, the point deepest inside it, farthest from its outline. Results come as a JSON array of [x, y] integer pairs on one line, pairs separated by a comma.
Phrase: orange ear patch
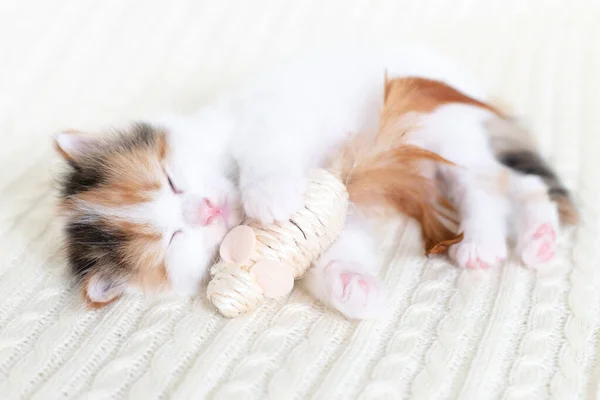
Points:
[[99, 291], [72, 144]]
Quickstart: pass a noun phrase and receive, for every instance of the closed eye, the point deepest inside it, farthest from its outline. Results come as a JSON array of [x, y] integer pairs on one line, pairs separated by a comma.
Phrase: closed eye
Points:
[[174, 188], [177, 232]]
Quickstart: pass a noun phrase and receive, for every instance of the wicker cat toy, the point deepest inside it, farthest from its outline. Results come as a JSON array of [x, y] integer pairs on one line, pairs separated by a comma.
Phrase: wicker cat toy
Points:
[[262, 261]]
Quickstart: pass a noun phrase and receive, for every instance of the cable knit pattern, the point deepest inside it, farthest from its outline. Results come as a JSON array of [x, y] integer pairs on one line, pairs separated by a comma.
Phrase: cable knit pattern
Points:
[[453, 334], [404, 350], [497, 345], [131, 360], [534, 361], [274, 342], [509, 333], [175, 355], [51, 349], [307, 359]]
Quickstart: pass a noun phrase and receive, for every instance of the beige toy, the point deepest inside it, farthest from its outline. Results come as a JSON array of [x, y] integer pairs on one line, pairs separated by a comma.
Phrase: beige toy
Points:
[[259, 262]]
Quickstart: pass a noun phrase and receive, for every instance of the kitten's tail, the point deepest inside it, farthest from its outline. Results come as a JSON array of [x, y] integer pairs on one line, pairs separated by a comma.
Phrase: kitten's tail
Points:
[[386, 173], [515, 148]]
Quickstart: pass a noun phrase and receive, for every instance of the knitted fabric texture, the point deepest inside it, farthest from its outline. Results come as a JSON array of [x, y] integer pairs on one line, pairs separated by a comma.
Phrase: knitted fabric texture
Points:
[[506, 333]]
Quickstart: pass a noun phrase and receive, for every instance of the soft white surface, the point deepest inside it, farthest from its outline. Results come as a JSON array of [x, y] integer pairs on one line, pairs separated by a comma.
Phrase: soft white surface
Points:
[[506, 333]]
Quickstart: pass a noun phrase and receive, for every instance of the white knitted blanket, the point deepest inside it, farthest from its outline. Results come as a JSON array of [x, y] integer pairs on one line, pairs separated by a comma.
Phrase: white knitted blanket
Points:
[[509, 333]]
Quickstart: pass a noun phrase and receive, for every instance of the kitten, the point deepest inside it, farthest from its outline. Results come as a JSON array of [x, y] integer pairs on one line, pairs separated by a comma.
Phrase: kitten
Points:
[[146, 208]]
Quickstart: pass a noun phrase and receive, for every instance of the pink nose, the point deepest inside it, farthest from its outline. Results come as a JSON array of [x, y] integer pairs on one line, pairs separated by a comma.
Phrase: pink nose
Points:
[[204, 212]]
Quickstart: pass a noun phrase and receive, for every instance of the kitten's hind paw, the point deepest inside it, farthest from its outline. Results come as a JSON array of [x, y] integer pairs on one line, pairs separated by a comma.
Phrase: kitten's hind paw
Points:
[[538, 245], [477, 254], [357, 296]]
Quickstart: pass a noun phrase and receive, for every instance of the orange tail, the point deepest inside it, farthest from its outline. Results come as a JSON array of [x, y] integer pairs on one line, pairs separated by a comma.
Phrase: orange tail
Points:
[[385, 172]]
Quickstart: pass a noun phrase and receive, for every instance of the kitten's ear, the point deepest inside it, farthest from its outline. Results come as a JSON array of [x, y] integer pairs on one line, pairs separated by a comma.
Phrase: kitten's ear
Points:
[[71, 145], [100, 290]]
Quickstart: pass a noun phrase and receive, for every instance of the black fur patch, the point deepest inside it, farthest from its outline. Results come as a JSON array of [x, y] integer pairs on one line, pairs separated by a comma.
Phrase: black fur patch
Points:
[[558, 191], [93, 246], [513, 147], [81, 178], [143, 135], [528, 163], [140, 135]]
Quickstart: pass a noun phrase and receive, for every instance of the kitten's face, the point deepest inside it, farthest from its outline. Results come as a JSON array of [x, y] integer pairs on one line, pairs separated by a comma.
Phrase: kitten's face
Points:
[[143, 211]]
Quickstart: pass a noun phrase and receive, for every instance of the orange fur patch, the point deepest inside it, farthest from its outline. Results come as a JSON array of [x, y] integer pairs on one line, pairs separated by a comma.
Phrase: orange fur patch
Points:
[[132, 177], [145, 253], [444, 245], [391, 175], [388, 171], [422, 95], [566, 210]]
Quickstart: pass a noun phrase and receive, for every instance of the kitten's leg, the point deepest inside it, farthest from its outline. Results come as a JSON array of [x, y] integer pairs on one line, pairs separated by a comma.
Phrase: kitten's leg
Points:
[[457, 133], [483, 210], [536, 220], [344, 278]]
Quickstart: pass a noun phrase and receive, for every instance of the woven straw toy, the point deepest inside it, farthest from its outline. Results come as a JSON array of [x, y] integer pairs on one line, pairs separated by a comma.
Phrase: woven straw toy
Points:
[[258, 261]]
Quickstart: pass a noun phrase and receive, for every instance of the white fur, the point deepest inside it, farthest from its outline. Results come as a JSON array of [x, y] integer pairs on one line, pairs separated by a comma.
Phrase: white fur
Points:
[[457, 133], [536, 220], [202, 168], [274, 130], [291, 120], [353, 257]]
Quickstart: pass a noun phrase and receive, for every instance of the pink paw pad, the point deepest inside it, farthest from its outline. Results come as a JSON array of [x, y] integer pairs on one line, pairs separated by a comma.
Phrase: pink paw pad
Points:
[[477, 264], [540, 247], [473, 255], [355, 295], [346, 278], [545, 230], [545, 252]]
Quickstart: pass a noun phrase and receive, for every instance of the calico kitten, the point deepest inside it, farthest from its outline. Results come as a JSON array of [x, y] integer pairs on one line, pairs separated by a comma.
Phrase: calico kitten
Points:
[[146, 208]]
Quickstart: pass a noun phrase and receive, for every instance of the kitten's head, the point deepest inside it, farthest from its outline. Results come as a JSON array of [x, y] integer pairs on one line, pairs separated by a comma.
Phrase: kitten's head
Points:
[[144, 209]]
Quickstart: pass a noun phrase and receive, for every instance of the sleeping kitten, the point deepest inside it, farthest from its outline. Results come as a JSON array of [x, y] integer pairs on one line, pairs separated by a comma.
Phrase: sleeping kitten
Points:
[[146, 208]]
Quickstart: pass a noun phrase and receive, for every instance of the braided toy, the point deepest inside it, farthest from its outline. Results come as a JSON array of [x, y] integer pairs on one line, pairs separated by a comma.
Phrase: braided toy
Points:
[[259, 261]]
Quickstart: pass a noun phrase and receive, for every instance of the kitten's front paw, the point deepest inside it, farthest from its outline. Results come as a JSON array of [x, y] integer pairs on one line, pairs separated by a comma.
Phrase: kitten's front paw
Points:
[[479, 252], [357, 296], [273, 198]]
